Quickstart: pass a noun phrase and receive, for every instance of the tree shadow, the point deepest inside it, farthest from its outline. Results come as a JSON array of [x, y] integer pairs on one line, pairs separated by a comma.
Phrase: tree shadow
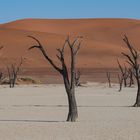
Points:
[[80, 106], [32, 121]]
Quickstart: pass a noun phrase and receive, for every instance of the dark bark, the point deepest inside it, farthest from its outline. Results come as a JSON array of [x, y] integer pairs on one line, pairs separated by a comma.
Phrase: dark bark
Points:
[[125, 76], [73, 112], [69, 82], [120, 82], [124, 73], [131, 80], [137, 103], [132, 59], [120, 76], [108, 75]]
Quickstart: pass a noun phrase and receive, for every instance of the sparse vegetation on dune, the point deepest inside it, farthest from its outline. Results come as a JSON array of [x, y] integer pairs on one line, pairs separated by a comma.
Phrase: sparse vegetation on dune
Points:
[[27, 80]]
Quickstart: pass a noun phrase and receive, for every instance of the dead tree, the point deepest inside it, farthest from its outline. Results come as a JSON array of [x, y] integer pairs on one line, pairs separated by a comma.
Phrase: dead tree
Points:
[[77, 78], [13, 72], [69, 81], [2, 77], [108, 75], [132, 59], [120, 78], [131, 80], [126, 75]]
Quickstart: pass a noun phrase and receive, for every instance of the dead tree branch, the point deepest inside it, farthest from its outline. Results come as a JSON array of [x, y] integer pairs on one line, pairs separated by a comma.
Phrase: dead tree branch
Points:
[[108, 75], [77, 78], [69, 81], [13, 72], [132, 59]]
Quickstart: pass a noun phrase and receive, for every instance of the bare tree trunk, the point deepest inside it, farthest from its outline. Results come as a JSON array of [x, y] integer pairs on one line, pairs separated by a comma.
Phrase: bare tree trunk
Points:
[[131, 80], [14, 80], [120, 82], [68, 82], [125, 75], [108, 78], [77, 78], [132, 59], [10, 77], [125, 82], [138, 95], [73, 113]]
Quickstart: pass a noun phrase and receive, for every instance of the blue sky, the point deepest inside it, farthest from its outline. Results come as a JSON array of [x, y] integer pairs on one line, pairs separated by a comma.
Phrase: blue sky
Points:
[[17, 9]]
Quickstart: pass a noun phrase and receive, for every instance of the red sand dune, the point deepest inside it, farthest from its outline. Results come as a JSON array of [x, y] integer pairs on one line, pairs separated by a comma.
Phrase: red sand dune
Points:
[[102, 40]]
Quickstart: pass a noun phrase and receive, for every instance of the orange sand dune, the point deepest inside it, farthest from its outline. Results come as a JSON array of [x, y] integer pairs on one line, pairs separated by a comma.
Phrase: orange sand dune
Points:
[[102, 40]]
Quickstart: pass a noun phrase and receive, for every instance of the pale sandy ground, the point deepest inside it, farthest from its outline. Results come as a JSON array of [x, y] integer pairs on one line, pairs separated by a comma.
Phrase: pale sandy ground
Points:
[[39, 113]]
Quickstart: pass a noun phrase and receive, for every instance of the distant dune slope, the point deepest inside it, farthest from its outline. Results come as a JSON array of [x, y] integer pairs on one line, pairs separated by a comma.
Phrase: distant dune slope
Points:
[[102, 40]]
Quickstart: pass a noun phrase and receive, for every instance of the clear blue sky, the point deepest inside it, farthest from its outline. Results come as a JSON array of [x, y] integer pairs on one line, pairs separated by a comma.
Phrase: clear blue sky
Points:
[[17, 9]]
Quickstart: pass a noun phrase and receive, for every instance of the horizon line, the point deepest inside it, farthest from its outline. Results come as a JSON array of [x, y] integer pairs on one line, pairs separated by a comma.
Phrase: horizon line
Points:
[[86, 18]]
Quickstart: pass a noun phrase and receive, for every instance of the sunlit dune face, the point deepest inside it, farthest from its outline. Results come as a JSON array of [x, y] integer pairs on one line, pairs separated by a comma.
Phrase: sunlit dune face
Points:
[[102, 40]]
